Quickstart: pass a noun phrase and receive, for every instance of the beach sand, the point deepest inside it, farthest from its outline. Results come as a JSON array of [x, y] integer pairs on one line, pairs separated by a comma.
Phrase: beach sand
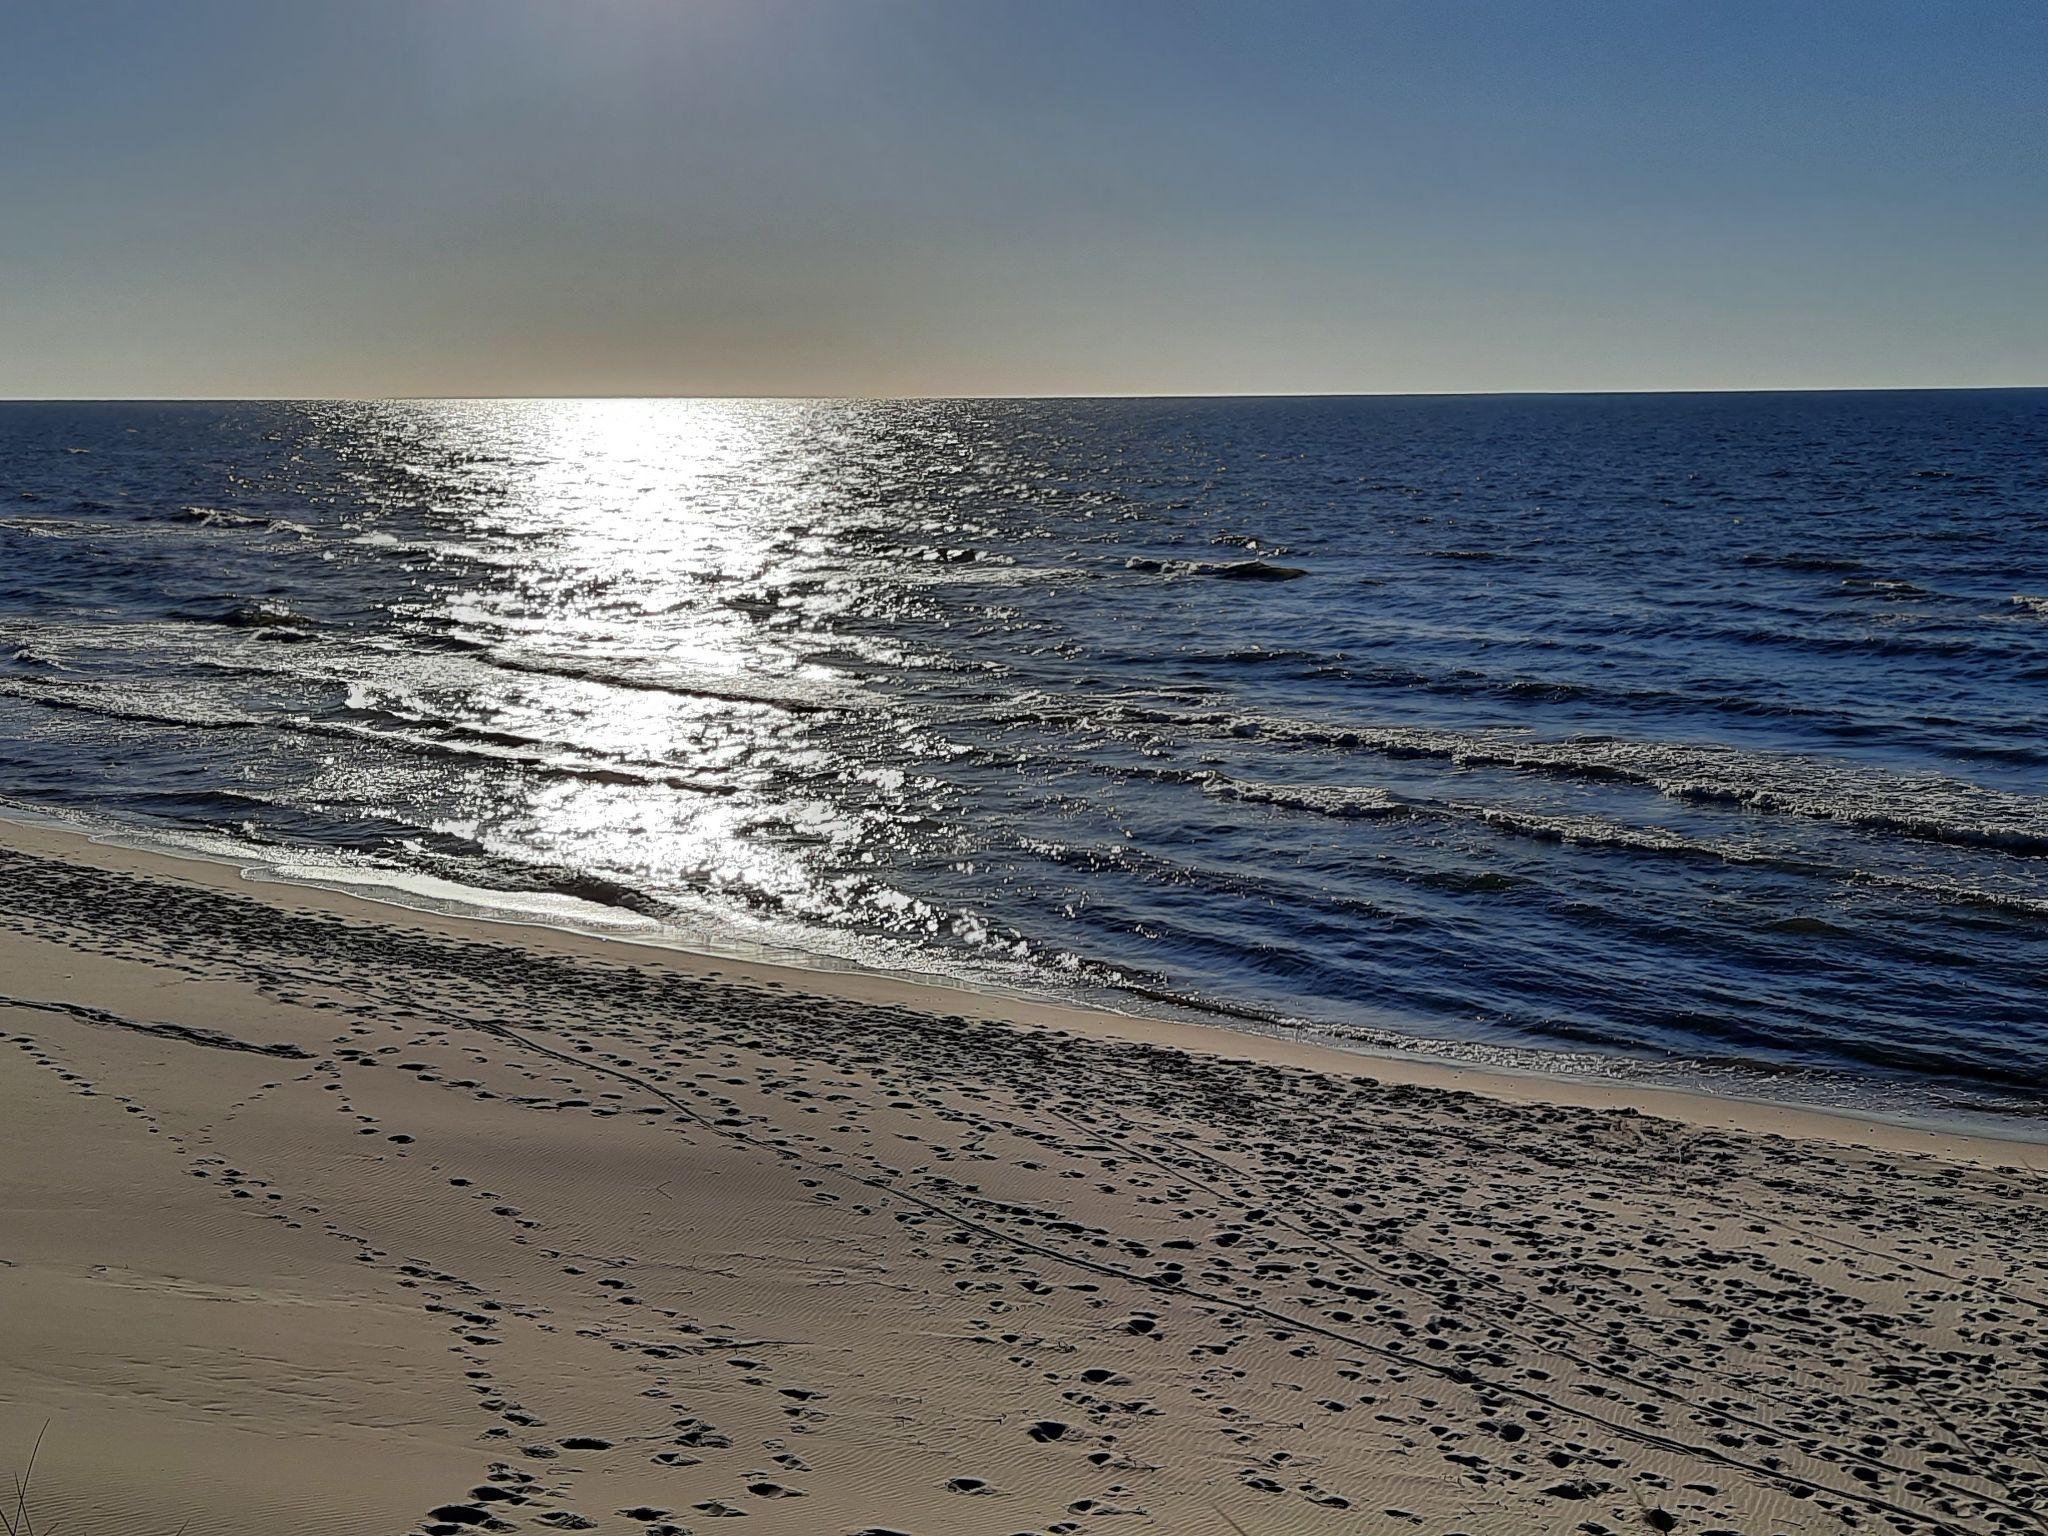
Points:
[[323, 1216]]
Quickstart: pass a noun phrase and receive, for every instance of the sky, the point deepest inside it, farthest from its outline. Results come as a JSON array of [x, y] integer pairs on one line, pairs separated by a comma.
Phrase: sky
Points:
[[969, 197]]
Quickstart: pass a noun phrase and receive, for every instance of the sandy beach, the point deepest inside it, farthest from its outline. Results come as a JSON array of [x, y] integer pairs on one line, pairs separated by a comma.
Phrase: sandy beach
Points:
[[1023, 768], [323, 1216]]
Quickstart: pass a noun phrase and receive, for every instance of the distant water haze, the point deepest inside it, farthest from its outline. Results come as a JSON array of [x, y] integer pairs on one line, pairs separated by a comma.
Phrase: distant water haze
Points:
[[1702, 734]]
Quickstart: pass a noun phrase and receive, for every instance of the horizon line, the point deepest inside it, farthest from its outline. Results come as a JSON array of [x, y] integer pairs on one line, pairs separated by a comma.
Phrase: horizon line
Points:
[[1133, 395]]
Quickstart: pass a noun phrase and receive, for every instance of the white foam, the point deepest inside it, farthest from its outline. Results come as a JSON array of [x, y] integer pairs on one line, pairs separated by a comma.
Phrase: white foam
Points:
[[432, 894]]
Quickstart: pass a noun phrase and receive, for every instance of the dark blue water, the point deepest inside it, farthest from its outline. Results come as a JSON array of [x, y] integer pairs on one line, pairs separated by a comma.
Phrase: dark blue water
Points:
[[1703, 730]]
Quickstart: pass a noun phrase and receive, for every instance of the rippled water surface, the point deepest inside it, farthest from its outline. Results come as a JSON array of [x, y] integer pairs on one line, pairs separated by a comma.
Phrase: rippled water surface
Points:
[[1704, 730]]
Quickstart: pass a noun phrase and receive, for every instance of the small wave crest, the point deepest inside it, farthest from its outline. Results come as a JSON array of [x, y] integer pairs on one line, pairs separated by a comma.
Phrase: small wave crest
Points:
[[1360, 802], [794, 703], [1220, 570], [1922, 806], [250, 615], [217, 517]]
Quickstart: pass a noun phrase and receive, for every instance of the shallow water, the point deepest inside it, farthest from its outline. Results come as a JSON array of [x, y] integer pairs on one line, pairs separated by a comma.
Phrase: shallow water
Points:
[[1708, 731]]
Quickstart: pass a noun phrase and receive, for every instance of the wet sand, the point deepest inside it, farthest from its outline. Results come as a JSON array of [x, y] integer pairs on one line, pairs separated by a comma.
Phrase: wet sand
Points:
[[322, 1216]]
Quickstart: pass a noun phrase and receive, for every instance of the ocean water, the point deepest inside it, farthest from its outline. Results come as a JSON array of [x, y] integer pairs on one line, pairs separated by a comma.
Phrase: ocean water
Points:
[[1697, 735]]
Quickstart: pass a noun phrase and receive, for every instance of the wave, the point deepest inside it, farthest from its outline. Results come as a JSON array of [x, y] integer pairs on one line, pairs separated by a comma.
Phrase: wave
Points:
[[1221, 570], [62, 527], [642, 683], [1361, 802], [506, 748], [935, 554], [1370, 802], [1679, 702], [1884, 586], [1304, 662], [1599, 832], [478, 865], [274, 620], [1799, 562], [402, 849], [1923, 806], [1920, 806], [1966, 650], [106, 703], [100, 700], [253, 615], [215, 517]]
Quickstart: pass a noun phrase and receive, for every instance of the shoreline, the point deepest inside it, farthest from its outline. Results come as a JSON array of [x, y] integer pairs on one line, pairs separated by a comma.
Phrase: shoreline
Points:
[[558, 1233], [52, 836]]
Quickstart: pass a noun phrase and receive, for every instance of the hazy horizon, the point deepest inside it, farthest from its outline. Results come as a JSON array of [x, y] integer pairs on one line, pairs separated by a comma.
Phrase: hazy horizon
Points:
[[910, 199], [1134, 395]]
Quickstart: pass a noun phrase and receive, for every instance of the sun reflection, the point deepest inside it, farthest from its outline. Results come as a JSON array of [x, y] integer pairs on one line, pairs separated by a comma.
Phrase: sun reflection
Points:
[[637, 590]]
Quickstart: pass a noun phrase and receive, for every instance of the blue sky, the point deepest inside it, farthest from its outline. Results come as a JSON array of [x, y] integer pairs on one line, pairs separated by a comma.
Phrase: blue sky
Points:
[[368, 197]]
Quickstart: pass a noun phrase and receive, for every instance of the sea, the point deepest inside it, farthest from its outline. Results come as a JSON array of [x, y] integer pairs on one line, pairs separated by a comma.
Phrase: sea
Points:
[[1700, 738]]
